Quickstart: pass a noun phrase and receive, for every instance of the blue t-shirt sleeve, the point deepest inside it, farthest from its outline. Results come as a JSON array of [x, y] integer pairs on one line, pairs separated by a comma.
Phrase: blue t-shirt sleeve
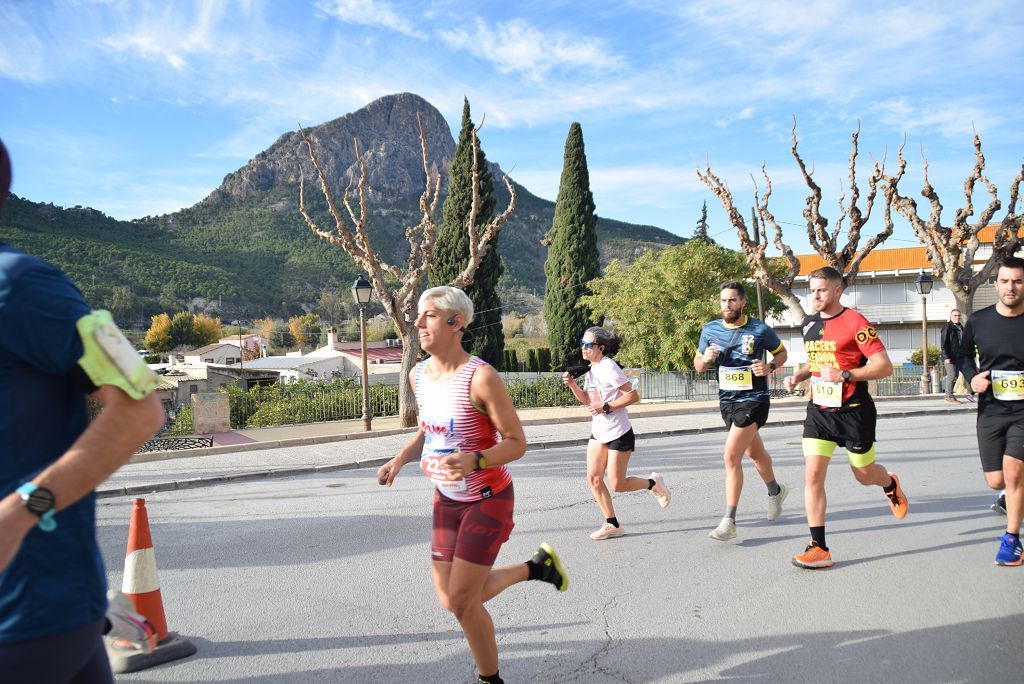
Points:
[[704, 341], [771, 340], [39, 307]]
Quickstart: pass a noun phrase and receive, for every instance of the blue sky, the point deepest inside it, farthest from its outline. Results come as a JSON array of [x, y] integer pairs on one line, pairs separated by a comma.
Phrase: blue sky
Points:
[[139, 108]]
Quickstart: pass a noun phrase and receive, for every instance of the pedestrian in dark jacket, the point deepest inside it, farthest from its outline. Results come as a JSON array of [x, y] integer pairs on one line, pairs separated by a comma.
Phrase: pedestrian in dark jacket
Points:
[[952, 333]]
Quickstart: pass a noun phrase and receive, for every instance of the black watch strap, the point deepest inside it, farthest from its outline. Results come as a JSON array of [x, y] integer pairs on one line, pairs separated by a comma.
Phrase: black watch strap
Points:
[[481, 460], [606, 408]]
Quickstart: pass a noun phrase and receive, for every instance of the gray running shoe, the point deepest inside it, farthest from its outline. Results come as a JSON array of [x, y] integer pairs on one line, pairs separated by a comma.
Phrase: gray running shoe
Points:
[[725, 531], [606, 531], [775, 502], [128, 629], [999, 505], [660, 491]]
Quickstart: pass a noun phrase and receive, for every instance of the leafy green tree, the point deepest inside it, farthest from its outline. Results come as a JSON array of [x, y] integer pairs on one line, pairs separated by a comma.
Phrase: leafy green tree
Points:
[[121, 303], [572, 259], [660, 303], [305, 328], [451, 251], [205, 330], [182, 330], [934, 356]]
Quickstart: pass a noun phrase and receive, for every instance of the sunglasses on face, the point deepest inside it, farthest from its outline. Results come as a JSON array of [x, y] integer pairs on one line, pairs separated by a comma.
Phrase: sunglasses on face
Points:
[[587, 345]]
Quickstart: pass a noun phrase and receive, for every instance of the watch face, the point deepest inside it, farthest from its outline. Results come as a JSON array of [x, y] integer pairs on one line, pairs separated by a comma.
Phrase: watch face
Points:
[[40, 501]]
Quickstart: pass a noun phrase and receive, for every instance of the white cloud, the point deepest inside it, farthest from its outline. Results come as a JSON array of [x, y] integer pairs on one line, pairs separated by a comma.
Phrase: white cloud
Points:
[[21, 50], [369, 13], [517, 47]]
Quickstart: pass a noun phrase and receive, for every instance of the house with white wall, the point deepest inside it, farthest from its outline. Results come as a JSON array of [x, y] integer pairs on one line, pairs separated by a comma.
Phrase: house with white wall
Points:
[[884, 292], [219, 353]]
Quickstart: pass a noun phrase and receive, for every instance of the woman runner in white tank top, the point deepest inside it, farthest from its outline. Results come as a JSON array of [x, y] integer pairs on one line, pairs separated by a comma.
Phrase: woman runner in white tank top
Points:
[[463, 409]]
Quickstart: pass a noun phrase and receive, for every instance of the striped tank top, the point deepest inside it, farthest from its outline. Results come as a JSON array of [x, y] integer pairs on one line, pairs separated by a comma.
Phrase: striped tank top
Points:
[[450, 424]]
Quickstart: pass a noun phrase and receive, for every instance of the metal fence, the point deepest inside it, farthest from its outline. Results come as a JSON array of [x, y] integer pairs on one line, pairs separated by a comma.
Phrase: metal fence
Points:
[[308, 405], [287, 406]]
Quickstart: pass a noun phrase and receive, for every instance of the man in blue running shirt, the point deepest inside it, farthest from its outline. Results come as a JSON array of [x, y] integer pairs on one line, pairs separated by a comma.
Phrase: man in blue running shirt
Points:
[[54, 351], [735, 347]]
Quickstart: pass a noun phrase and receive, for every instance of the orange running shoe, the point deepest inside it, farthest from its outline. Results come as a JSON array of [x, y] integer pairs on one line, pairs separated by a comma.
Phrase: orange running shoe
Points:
[[898, 499], [814, 557]]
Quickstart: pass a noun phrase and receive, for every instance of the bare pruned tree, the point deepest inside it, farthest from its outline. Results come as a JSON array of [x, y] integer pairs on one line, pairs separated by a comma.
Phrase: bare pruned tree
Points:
[[952, 249], [400, 300], [845, 258]]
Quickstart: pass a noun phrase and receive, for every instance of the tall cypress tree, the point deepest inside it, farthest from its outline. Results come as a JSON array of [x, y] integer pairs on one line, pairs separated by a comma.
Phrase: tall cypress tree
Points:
[[572, 253], [451, 251]]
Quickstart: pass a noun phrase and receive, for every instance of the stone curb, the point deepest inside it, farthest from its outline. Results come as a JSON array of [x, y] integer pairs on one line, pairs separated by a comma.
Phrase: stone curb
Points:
[[274, 473]]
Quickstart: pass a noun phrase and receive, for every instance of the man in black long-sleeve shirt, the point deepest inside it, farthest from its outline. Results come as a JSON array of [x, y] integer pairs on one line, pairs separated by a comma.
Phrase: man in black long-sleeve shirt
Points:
[[996, 335], [952, 334]]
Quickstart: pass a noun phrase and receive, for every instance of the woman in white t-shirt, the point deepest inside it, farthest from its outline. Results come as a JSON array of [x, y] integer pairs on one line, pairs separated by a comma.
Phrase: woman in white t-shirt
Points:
[[606, 393]]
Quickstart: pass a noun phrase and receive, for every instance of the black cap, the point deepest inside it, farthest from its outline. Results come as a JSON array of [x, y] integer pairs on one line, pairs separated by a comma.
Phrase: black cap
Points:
[[5, 174]]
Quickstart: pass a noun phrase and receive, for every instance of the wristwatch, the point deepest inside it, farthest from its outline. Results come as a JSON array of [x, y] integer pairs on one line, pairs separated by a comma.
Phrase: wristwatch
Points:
[[606, 408], [771, 364], [846, 376], [39, 501], [481, 460]]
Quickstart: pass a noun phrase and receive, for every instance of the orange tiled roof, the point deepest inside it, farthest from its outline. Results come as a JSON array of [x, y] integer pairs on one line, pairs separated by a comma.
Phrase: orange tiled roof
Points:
[[897, 259], [901, 258]]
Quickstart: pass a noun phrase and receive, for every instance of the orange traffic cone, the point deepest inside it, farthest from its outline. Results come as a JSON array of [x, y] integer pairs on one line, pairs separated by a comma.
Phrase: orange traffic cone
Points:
[[141, 585], [140, 582]]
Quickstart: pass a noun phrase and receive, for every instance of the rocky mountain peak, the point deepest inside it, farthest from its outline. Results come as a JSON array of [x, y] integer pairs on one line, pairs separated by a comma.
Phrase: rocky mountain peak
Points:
[[388, 136]]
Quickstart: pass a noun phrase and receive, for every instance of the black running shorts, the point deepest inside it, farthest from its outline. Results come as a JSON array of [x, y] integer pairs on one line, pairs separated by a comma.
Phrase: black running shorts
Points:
[[849, 427], [626, 442], [744, 413], [999, 435]]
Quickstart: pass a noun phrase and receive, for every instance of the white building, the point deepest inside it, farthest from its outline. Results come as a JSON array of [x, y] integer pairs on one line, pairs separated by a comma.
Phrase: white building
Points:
[[884, 292]]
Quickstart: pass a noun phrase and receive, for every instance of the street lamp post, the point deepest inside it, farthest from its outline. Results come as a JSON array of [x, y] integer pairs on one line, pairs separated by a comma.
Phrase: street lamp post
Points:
[[361, 291], [924, 287]]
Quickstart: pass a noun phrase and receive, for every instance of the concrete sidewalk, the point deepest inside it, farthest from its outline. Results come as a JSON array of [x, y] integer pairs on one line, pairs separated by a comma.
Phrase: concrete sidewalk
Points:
[[323, 447]]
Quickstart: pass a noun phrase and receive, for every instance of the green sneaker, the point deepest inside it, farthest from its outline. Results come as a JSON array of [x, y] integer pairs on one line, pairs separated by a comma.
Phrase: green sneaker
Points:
[[554, 573]]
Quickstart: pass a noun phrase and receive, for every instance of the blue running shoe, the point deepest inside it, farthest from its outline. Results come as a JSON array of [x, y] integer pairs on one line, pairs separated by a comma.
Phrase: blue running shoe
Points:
[[1010, 550]]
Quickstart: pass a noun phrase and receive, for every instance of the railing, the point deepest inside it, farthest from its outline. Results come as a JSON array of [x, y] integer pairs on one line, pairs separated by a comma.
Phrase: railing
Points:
[[310, 404]]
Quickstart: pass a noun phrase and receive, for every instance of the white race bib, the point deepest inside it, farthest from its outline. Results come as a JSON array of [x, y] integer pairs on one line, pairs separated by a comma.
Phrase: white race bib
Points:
[[736, 378], [432, 467], [1008, 385], [826, 394]]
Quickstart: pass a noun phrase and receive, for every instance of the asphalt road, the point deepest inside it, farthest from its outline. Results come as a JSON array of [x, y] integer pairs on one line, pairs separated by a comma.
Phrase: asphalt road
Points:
[[326, 578]]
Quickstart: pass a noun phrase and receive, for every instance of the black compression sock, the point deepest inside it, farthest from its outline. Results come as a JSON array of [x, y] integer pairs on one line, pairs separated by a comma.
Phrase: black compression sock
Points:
[[536, 570], [490, 679], [818, 535], [730, 512], [774, 488], [891, 488], [614, 522], [650, 483]]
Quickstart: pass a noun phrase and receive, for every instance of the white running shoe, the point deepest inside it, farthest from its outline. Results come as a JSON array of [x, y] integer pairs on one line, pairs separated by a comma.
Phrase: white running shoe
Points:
[[606, 531], [775, 502], [660, 491], [725, 531], [128, 629]]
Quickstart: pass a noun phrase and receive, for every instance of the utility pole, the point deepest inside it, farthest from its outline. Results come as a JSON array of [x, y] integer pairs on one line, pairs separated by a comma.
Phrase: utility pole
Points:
[[757, 239]]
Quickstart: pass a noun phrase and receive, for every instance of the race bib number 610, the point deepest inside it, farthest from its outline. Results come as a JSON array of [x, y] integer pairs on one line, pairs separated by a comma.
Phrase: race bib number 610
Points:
[[827, 394]]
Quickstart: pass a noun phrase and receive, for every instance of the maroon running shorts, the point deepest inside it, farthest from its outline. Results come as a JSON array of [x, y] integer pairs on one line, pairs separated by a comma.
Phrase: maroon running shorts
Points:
[[473, 531]]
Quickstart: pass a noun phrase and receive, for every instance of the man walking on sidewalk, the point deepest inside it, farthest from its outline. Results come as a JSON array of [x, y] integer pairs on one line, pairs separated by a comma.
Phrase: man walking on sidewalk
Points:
[[736, 345], [952, 335]]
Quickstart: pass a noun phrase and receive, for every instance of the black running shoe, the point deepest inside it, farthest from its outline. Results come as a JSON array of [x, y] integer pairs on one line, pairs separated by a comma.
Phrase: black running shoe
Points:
[[554, 573], [999, 505]]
